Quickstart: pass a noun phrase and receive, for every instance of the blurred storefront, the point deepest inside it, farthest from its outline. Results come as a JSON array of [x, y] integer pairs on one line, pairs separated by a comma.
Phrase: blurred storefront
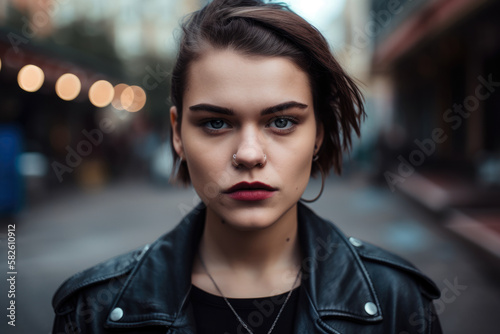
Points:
[[84, 87], [436, 78], [45, 95]]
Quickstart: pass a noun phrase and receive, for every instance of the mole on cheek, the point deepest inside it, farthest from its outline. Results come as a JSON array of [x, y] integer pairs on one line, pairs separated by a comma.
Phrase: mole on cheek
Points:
[[287, 239]]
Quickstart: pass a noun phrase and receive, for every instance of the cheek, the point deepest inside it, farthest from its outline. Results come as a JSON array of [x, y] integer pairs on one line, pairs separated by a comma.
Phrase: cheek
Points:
[[207, 165], [303, 172], [294, 166], [200, 169], [200, 161]]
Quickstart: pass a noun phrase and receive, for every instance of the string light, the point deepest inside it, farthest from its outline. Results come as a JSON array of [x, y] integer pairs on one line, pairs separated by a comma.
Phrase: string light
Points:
[[30, 78], [68, 86], [101, 93]]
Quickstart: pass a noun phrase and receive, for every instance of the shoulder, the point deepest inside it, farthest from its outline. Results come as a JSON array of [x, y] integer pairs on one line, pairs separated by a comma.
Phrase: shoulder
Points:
[[383, 265], [114, 269], [405, 293], [364, 285], [383, 268]]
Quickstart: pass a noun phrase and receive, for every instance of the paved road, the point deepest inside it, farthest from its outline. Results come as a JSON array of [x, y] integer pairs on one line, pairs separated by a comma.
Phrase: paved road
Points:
[[75, 230]]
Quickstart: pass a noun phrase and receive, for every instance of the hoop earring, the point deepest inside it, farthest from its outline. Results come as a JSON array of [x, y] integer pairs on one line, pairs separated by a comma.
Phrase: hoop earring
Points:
[[322, 186], [177, 167]]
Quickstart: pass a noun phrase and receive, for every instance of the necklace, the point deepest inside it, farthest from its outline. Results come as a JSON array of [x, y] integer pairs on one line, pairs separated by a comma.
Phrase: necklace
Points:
[[234, 311]]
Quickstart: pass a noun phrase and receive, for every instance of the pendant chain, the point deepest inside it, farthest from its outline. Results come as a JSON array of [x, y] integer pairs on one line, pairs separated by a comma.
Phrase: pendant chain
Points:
[[234, 311]]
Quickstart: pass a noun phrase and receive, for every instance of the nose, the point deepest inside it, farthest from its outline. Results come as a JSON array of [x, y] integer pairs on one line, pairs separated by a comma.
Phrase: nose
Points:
[[250, 152]]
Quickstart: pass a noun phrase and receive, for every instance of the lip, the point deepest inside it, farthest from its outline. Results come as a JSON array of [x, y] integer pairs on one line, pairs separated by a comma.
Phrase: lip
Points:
[[254, 191]]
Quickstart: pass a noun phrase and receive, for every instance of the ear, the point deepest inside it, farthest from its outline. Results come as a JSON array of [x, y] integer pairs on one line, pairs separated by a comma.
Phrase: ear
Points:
[[176, 136], [320, 133]]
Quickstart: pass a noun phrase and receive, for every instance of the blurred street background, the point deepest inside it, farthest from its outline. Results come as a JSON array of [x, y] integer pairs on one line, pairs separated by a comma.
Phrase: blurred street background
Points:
[[85, 153]]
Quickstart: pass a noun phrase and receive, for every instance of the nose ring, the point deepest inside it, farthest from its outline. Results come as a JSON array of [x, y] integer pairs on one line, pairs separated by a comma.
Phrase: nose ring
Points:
[[260, 164]]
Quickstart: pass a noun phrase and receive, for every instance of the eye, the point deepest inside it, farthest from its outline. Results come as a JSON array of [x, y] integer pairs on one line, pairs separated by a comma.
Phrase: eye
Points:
[[282, 123], [216, 124]]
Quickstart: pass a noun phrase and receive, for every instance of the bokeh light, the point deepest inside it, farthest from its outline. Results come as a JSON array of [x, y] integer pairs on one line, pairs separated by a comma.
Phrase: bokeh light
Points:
[[101, 93], [0, 64], [133, 98], [30, 78], [117, 103], [68, 86]]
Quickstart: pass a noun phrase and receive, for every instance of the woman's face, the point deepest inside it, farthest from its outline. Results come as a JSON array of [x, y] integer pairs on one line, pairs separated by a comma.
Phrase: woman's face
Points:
[[261, 109]]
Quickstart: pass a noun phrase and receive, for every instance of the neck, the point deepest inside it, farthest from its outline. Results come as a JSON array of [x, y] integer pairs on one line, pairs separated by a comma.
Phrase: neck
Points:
[[260, 251]]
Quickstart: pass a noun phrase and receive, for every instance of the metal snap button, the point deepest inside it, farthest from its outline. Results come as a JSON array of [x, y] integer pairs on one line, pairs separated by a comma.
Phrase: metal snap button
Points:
[[371, 308], [116, 314], [355, 242]]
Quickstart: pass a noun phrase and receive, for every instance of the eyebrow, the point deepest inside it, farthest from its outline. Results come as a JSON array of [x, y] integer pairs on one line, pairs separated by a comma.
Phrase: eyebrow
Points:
[[267, 111]]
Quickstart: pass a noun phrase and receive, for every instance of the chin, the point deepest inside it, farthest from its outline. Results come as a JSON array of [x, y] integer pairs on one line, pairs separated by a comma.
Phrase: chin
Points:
[[251, 219], [246, 227], [249, 226]]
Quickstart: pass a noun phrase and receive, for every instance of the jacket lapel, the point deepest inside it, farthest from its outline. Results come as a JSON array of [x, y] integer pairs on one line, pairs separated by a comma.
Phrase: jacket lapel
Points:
[[335, 283]]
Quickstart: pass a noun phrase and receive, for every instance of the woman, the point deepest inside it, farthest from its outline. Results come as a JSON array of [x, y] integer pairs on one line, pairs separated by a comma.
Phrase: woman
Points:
[[259, 105]]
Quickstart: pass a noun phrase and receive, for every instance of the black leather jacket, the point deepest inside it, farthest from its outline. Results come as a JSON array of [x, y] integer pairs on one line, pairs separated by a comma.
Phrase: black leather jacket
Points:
[[348, 286]]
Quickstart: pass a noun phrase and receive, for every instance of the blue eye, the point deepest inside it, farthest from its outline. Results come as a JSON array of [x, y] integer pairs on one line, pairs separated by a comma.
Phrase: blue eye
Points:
[[282, 123], [216, 124]]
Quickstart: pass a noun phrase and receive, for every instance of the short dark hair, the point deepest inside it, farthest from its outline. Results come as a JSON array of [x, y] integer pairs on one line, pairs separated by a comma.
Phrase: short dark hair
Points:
[[252, 27]]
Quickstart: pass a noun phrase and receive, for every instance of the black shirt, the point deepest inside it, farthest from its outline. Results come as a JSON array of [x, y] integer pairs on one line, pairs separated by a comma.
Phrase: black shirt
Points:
[[213, 315]]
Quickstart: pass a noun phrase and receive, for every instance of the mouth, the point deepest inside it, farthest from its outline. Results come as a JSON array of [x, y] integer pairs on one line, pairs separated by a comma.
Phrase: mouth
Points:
[[245, 191], [250, 186]]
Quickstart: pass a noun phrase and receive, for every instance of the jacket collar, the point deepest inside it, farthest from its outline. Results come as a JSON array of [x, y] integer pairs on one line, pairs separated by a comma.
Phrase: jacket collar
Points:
[[334, 281]]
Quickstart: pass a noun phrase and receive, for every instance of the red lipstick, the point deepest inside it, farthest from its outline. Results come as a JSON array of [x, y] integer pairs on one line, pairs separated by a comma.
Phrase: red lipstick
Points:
[[255, 191]]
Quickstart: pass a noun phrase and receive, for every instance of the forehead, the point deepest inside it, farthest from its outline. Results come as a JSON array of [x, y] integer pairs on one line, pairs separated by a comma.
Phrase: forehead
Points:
[[231, 78]]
